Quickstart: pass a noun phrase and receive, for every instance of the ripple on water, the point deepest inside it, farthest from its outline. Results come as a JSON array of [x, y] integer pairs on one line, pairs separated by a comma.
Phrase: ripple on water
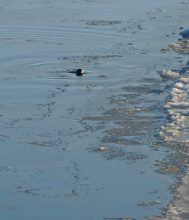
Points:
[[49, 46], [68, 39]]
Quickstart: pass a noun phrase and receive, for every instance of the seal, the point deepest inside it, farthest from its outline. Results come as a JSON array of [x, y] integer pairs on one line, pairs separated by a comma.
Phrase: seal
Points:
[[79, 72]]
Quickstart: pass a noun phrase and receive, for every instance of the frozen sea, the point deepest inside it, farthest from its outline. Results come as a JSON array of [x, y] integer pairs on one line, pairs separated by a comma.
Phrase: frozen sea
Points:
[[111, 144]]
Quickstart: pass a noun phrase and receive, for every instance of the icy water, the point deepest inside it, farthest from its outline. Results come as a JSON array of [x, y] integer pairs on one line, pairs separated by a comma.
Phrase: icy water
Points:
[[111, 144]]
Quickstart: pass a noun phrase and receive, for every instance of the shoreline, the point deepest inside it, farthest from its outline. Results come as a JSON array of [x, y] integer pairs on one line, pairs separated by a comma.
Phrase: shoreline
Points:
[[85, 146]]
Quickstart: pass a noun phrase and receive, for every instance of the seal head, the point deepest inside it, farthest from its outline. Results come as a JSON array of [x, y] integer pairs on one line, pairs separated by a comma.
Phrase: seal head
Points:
[[79, 72]]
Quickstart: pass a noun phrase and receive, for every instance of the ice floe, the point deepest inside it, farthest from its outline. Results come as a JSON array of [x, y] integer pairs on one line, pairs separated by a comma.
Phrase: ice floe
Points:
[[177, 127], [168, 74]]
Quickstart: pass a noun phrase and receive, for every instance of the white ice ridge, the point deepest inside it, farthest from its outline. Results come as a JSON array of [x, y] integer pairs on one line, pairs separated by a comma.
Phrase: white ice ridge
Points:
[[178, 109], [168, 74], [177, 105]]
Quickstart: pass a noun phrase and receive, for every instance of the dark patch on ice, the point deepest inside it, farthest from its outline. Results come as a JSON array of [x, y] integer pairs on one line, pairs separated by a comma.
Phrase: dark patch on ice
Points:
[[185, 33], [87, 60], [102, 22], [119, 218], [4, 206]]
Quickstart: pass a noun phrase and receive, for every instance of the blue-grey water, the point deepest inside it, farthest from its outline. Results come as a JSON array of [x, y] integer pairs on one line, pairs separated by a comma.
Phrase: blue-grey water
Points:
[[98, 146]]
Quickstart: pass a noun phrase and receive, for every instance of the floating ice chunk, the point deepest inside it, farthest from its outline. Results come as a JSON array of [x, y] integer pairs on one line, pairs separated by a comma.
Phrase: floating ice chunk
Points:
[[184, 80], [168, 74], [182, 86], [179, 85], [179, 112], [177, 94], [175, 45], [184, 112], [161, 134], [176, 91], [185, 33], [178, 118], [102, 148], [176, 98], [177, 105]]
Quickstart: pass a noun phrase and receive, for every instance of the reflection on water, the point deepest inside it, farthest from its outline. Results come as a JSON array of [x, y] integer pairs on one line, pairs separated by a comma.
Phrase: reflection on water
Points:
[[70, 40]]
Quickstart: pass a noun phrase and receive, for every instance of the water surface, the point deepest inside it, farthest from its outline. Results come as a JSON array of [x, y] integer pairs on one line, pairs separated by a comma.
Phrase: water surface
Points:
[[53, 121]]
